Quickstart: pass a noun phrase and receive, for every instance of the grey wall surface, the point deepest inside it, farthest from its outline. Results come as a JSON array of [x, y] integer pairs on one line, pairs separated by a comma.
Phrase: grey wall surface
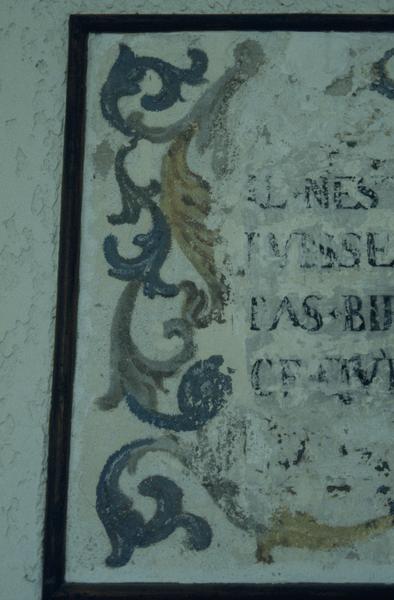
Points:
[[33, 87]]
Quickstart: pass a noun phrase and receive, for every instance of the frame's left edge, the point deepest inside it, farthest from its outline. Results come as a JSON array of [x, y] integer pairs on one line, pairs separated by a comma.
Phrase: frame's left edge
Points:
[[66, 314]]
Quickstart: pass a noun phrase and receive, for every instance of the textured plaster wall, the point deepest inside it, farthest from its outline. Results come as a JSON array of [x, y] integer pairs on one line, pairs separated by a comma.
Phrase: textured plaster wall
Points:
[[32, 83]]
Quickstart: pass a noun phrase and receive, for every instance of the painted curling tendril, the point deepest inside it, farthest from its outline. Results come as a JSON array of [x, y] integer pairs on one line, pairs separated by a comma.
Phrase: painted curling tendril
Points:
[[130, 370], [129, 70], [126, 527], [179, 206], [134, 197], [185, 201], [201, 394], [135, 378], [287, 529], [209, 111], [146, 266]]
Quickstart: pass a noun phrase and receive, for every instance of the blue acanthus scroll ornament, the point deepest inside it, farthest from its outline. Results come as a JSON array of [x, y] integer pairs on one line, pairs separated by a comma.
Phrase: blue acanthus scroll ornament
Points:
[[201, 394], [124, 80], [134, 197], [179, 206], [126, 527], [146, 267], [203, 388], [129, 70]]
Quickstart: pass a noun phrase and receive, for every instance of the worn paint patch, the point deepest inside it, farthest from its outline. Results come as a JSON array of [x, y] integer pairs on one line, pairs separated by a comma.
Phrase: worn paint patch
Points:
[[103, 158], [341, 86]]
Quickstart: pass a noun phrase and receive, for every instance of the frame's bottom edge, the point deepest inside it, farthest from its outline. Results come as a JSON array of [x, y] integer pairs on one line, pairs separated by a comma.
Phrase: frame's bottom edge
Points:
[[214, 591]]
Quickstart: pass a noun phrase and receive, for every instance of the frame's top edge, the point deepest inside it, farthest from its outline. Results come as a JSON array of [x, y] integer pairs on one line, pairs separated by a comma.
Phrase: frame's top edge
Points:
[[137, 22]]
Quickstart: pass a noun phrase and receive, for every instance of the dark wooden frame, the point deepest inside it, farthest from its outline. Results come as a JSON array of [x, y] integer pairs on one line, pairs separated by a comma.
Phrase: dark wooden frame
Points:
[[54, 585]]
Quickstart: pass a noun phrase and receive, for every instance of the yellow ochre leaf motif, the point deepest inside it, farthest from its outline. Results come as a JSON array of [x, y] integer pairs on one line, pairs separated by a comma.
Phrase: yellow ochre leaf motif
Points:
[[186, 202], [301, 530]]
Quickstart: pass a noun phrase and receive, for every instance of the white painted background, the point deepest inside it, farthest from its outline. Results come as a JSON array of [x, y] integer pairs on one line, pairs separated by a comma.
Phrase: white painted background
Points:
[[33, 40]]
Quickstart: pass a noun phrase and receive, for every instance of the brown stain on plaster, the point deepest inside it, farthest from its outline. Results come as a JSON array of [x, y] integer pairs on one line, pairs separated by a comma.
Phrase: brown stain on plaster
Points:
[[301, 530], [186, 202]]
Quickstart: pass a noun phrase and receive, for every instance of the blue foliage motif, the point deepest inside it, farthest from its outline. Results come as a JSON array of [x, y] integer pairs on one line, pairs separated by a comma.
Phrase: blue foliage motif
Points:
[[129, 70], [201, 394], [145, 267], [203, 389], [126, 527], [384, 84], [134, 197], [124, 79]]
